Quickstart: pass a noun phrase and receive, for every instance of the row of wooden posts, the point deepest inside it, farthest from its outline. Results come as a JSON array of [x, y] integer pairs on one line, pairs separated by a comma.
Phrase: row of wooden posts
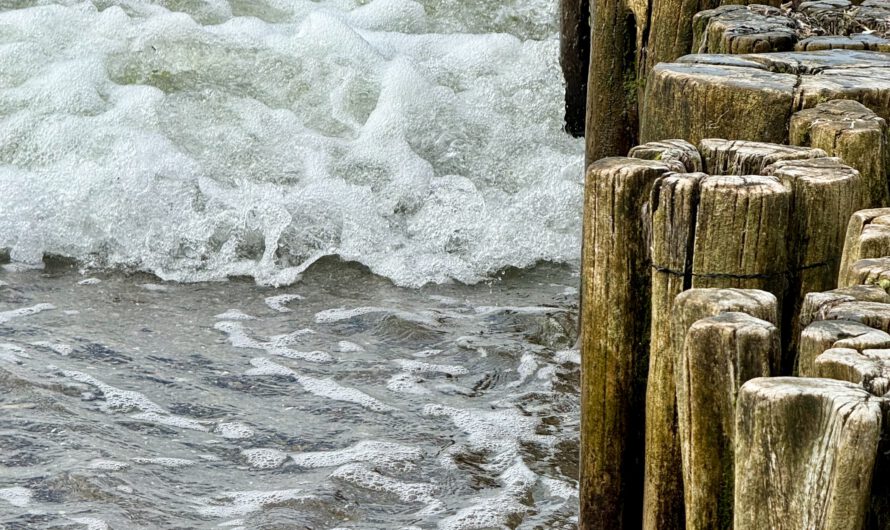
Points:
[[735, 316]]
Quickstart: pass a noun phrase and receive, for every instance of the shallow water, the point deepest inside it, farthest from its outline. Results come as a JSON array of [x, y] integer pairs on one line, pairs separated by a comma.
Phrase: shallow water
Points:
[[340, 402]]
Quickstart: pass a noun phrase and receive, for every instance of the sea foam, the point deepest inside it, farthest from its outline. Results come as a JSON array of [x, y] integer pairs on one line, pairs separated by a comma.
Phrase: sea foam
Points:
[[422, 139]]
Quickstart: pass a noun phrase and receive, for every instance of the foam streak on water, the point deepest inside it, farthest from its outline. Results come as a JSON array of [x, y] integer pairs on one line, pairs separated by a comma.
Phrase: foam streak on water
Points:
[[131, 408], [202, 139]]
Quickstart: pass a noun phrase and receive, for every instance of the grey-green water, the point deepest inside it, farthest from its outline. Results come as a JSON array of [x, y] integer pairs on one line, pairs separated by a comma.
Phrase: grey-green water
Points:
[[339, 402]]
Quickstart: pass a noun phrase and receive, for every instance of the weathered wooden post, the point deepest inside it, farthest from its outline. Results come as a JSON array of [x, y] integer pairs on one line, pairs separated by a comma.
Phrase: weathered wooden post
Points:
[[851, 131], [826, 334], [868, 236], [805, 452], [663, 499], [614, 339], [720, 353], [574, 55], [869, 368]]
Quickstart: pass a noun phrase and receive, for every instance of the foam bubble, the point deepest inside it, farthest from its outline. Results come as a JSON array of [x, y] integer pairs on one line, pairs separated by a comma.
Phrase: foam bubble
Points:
[[233, 504], [387, 455], [568, 356], [16, 496], [239, 338], [279, 302], [108, 465], [262, 458], [119, 400], [326, 388], [233, 430], [234, 314], [173, 463], [365, 477], [6, 316], [405, 383], [344, 346], [411, 365], [91, 523]]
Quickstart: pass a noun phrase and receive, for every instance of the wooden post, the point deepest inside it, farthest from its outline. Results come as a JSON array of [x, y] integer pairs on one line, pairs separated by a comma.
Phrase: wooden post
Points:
[[741, 157], [826, 334], [869, 368], [851, 131], [614, 340], [681, 155], [825, 193], [867, 236], [574, 55], [817, 305], [663, 507], [720, 353], [805, 452]]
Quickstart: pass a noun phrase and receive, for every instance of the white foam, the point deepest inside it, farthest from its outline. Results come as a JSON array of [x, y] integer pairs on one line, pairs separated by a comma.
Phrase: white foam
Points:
[[61, 349], [239, 338], [497, 431], [91, 523], [119, 400], [16, 496], [425, 142], [236, 503], [496, 512], [364, 477], [528, 364], [173, 463], [411, 365], [154, 287], [234, 314], [326, 388], [344, 346], [279, 302], [263, 458], [329, 316], [6, 316], [12, 353], [405, 383], [108, 465], [568, 356], [233, 430], [387, 455], [427, 353]]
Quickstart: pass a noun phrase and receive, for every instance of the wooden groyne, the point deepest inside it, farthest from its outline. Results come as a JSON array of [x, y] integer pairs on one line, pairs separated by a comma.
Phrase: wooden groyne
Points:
[[736, 266]]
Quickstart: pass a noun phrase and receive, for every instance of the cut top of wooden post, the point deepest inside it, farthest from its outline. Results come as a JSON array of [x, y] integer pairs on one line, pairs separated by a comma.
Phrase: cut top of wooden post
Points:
[[851, 131], [681, 155], [869, 368], [868, 236], [741, 97], [805, 451], [742, 157]]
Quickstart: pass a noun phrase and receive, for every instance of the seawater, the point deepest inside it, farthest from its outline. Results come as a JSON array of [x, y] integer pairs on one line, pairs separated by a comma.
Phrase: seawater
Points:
[[286, 264], [203, 139], [340, 402]]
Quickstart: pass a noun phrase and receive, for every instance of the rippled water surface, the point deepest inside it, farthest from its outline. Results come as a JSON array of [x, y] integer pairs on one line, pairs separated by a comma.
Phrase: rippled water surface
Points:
[[340, 402], [201, 139]]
